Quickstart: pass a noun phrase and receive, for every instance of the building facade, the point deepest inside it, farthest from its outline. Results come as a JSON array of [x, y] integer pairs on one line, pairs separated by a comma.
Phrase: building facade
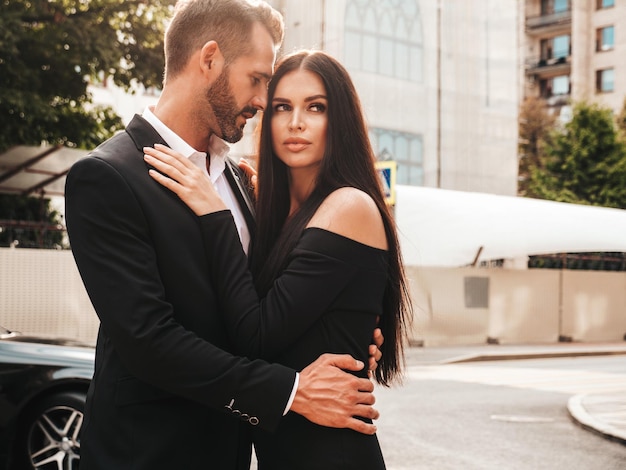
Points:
[[439, 82], [574, 52]]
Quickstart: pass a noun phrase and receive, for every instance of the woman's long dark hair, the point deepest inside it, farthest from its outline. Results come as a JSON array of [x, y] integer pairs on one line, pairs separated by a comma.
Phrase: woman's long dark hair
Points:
[[348, 162]]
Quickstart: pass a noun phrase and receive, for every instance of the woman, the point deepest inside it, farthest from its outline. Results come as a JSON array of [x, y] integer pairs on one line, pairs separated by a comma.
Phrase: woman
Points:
[[326, 260]]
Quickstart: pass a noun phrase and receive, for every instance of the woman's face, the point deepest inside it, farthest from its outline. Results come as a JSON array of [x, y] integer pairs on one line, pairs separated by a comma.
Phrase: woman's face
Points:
[[300, 120]]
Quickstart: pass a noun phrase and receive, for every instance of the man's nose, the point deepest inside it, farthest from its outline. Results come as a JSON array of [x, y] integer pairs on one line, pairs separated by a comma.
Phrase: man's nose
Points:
[[259, 102]]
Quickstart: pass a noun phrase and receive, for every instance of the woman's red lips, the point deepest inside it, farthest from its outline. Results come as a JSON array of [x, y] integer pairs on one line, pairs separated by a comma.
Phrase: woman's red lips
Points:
[[295, 144]]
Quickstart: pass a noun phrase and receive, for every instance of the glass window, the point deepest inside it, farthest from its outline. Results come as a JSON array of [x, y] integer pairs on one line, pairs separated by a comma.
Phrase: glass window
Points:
[[405, 149], [416, 64], [560, 85], [554, 86], [561, 5], [353, 50], [605, 38], [549, 7], [605, 80], [555, 48], [369, 61], [384, 37], [385, 57], [561, 46], [403, 61], [605, 4]]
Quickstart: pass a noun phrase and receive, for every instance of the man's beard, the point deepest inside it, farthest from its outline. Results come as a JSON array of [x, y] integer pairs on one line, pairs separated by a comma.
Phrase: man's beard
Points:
[[224, 106]]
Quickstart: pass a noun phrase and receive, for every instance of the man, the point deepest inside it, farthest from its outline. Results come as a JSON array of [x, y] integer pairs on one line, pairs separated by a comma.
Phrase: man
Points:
[[167, 393]]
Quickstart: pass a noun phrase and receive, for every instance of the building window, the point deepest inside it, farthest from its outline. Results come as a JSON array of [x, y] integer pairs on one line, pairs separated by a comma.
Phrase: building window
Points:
[[549, 7], [605, 39], [605, 80], [403, 148], [555, 48], [384, 37], [605, 4], [555, 86], [560, 85]]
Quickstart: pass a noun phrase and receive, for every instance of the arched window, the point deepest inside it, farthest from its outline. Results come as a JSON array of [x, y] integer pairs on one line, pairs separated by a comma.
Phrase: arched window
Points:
[[384, 37], [403, 148]]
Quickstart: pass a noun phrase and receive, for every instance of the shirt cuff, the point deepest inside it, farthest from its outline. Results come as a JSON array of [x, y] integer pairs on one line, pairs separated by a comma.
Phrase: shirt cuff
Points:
[[293, 393]]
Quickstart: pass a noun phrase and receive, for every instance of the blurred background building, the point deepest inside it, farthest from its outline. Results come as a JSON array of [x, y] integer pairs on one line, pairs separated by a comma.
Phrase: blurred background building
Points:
[[573, 50], [439, 81]]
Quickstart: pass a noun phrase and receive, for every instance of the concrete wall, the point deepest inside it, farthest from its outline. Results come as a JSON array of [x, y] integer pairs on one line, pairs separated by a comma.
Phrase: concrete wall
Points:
[[41, 292], [470, 305]]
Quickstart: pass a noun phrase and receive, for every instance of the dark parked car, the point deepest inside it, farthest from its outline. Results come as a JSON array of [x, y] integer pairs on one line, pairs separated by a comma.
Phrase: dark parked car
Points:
[[43, 384]]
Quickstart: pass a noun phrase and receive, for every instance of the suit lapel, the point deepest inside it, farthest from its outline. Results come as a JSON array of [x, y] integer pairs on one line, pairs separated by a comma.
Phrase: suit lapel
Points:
[[243, 196], [144, 135]]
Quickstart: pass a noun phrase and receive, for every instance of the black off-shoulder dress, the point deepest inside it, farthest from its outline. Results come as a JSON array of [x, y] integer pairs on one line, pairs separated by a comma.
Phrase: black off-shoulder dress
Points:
[[326, 300]]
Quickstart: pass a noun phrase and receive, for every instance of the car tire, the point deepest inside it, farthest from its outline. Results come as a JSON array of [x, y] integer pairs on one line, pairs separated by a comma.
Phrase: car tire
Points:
[[49, 434]]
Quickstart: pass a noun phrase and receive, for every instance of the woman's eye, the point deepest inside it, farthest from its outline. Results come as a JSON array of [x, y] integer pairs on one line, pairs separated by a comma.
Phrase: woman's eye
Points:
[[318, 107], [281, 107]]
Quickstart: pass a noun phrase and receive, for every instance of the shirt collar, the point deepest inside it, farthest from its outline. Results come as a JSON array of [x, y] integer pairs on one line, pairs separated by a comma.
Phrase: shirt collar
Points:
[[169, 136], [218, 148]]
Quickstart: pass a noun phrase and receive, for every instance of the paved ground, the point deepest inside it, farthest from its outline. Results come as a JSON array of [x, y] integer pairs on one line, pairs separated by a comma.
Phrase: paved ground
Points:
[[604, 414]]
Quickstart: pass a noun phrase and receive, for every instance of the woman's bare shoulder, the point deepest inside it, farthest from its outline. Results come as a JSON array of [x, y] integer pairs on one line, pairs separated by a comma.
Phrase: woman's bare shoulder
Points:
[[351, 213]]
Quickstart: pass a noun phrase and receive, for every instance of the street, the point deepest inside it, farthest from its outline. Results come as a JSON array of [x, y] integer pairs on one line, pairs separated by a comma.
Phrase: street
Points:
[[497, 415]]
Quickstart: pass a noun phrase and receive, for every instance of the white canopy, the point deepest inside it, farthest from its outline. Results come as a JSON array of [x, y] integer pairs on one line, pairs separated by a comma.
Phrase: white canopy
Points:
[[440, 227], [32, 170]]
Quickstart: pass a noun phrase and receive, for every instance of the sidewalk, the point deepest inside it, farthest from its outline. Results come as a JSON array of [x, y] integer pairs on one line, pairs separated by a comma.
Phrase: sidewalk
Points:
[[604, 414]]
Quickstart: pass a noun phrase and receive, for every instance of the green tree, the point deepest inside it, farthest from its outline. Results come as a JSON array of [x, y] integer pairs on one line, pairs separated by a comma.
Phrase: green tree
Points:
[[536, 124], [29, 222], [621, 120], [50, 51], [584, 163]]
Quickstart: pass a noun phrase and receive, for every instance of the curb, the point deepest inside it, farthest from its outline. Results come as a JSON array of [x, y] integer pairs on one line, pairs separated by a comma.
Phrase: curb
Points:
[[580, 415], [536, 355]]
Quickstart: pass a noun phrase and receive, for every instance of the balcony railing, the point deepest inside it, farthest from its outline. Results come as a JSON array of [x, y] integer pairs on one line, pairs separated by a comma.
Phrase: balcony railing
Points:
[[537, 65], [561, 18]]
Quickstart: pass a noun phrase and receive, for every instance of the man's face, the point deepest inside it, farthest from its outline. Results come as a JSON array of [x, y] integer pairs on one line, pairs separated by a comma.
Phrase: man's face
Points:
[[230, 119], [241, 89]]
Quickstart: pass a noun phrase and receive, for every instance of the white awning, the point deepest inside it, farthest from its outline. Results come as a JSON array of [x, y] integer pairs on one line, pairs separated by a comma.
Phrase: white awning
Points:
[[36, 170], [440, 227]]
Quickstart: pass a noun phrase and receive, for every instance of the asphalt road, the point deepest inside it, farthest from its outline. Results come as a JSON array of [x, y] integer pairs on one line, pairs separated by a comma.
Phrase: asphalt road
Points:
[[497, 415]]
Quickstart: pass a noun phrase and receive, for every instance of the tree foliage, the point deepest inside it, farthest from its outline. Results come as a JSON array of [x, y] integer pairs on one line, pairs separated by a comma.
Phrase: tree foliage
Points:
[[536, 124], [29, 222], [50, 50], [583, 163]]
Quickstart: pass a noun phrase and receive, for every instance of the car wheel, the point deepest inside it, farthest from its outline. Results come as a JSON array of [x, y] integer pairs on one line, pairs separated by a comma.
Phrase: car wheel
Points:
[[49, 438]]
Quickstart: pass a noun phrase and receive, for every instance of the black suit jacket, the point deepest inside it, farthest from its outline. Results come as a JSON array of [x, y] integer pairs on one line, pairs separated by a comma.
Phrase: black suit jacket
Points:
[[166, 392]]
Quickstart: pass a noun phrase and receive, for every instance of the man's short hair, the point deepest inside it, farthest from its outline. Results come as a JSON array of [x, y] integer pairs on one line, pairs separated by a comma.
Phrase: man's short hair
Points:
[[228, 22]]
